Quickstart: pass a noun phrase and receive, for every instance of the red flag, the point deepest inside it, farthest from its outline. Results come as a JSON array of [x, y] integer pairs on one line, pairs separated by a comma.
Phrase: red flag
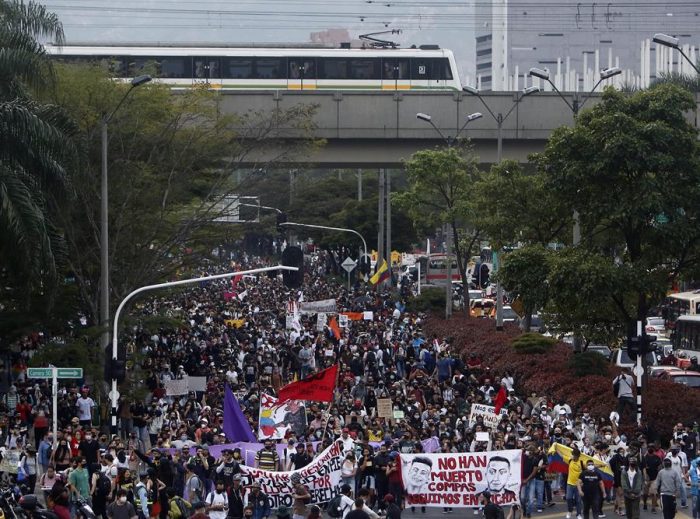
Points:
[[500, 400], [236, 279], [333, 325], [318, 387]]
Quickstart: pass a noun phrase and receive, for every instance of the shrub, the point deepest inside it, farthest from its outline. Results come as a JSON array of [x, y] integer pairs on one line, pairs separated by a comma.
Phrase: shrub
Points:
[[430, 299], [588, 363], [553, 374], [533, 343]]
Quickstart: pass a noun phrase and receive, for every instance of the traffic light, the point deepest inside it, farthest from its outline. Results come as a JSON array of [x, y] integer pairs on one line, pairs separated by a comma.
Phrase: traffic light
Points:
[[281, 218], [484, 275], [634, 346], [648, 343], [365, 265], [293, 257], [118, 370]]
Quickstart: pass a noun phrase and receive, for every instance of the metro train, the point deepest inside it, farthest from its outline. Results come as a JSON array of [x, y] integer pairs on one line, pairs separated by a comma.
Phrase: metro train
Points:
[[422, 68]]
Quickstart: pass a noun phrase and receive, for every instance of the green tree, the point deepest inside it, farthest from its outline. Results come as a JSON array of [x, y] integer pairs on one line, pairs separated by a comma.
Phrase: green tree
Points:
[[517, 206], [172, 173], [36, 143], [524, 274], [439, 192], [630, 168]]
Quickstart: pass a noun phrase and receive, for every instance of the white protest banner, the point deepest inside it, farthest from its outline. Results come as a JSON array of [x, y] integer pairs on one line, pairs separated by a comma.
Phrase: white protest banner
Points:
[[176, 387], [368, 316], [488, 413], [321, 321], [10, 461], [343, 321], [197, 383], [276, 420], [456, 480], [321, 477], [311, 307]]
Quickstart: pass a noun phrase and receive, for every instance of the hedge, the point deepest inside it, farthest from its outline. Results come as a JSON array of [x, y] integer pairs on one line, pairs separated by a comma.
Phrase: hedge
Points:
[[554, 374]]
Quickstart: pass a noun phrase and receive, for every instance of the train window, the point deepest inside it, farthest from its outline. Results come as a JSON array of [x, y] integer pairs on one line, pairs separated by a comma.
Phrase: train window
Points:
[[205, 68], [395, 68], [270, 68], [115, 65], [139, 65], [333, 68], [441, 69], [364, 68], [302, 68], [174, 67], [421, 68], [238, 68]]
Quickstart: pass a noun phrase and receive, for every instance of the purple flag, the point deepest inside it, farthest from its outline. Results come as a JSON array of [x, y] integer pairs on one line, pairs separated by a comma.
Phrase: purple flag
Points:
[[236, 426]]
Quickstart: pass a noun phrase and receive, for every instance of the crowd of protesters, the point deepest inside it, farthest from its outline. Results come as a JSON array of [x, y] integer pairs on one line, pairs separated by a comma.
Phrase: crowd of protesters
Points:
[[160, 464]]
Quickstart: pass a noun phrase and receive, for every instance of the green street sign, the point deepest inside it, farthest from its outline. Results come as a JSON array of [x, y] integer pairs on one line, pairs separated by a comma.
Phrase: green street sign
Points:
[[40, 372], [70, 373], [60, 372]]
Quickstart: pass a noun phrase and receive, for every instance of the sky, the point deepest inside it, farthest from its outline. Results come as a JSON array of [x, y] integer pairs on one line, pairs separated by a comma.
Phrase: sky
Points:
[[448, 23]]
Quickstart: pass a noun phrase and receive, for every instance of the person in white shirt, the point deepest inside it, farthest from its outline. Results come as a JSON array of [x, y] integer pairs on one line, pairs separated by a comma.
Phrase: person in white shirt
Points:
[[85, 405], [346, 502], [217, 502], [679, 463]]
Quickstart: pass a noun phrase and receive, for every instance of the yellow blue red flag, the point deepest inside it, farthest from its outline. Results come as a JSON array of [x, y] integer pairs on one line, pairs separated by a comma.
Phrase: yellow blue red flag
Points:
[[559, 457]]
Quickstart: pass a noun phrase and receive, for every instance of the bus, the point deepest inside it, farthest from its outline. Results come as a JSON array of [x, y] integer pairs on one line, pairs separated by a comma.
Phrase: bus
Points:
[[686, 336], [436, 271], [681, 303]]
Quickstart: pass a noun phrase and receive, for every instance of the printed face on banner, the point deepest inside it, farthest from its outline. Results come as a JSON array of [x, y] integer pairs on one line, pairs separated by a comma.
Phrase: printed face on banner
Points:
[[277, 420], [457, 480]]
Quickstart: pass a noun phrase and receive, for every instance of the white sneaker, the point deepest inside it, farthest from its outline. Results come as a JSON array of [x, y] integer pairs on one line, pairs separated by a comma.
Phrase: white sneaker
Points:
[[568, 515], [476, 511], [579, 517]]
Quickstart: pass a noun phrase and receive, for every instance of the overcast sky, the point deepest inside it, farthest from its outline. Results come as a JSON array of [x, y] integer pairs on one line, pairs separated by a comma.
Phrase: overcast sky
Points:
[[444, 22]]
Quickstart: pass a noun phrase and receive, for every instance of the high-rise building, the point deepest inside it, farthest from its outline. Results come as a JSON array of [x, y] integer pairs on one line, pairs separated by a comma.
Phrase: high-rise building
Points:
[[575, 40]]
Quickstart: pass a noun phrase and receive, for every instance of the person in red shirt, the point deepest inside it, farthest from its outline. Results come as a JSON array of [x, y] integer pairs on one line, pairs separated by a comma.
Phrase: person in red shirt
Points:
[[24, 409]]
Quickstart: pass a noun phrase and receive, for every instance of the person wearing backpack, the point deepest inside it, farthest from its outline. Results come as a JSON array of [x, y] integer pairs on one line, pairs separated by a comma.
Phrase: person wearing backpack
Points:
[[492, 510], [217, 502], [194, 488], [100, 490], [622, 387], [178, 508]]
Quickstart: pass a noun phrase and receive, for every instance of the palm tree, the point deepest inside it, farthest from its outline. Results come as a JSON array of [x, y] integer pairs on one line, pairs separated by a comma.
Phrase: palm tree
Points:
[[36, 143]]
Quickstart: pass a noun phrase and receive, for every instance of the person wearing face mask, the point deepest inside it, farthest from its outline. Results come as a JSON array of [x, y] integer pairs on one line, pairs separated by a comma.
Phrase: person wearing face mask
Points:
[[668, 486], [679, 463], [79, 480], [217, 502], [121, 508], [632, 484], [88, 449], [591, 488]]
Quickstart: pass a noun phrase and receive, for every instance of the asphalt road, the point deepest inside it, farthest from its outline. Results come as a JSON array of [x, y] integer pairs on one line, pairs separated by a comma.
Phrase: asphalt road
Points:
[[558, 511]]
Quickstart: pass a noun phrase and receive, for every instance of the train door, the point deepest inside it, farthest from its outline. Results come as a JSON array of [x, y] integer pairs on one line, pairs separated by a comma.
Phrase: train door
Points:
[[396, 74], [207, 71], [301, 73]]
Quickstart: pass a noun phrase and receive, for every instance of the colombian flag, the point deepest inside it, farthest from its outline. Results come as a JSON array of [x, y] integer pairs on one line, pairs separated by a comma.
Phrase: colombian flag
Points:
[[381, 274], [559, 457]]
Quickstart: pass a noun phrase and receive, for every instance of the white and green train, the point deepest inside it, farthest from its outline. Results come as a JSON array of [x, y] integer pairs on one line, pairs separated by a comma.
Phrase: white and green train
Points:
[[267, 68]]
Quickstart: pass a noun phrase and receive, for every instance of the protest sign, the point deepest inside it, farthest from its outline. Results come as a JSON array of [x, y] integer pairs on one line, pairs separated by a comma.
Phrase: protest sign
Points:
[[10, 461], [321, 321], [343, 321], [456, 480], [276, 420], [176, 387], [321, 477], [384, 408], [197, 383], [311, 307], [488, 413]]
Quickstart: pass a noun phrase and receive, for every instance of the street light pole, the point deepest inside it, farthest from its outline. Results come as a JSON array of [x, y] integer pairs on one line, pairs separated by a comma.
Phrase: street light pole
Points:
[[104, 223], [114, 394], [339, 229], [500, 118], [674, 43]]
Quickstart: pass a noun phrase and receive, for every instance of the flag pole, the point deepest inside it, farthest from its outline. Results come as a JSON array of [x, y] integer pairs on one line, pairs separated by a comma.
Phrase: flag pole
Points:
[[328, 416]]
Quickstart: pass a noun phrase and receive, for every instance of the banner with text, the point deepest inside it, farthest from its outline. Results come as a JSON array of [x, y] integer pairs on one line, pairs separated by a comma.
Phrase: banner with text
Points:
[[321, 477], [456, 480], [326, 306], [488, 413]]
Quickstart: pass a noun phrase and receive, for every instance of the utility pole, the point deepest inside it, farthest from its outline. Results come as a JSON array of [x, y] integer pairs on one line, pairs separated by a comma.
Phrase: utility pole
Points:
[[359, 185], [380, 237], [387, 194], [448, 260]]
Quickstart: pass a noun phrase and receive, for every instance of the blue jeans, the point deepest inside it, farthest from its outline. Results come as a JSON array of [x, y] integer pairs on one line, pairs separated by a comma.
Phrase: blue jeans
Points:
[[539, 493], [684, 494], [573, 499], [696, 507], [527, 492]]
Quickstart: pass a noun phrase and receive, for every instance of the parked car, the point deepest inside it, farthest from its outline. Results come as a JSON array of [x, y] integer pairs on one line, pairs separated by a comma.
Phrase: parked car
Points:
[[509, 315], [482, 308], [621, 359], [603, 350], [655, 326], [679, 376], [536, 324]]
